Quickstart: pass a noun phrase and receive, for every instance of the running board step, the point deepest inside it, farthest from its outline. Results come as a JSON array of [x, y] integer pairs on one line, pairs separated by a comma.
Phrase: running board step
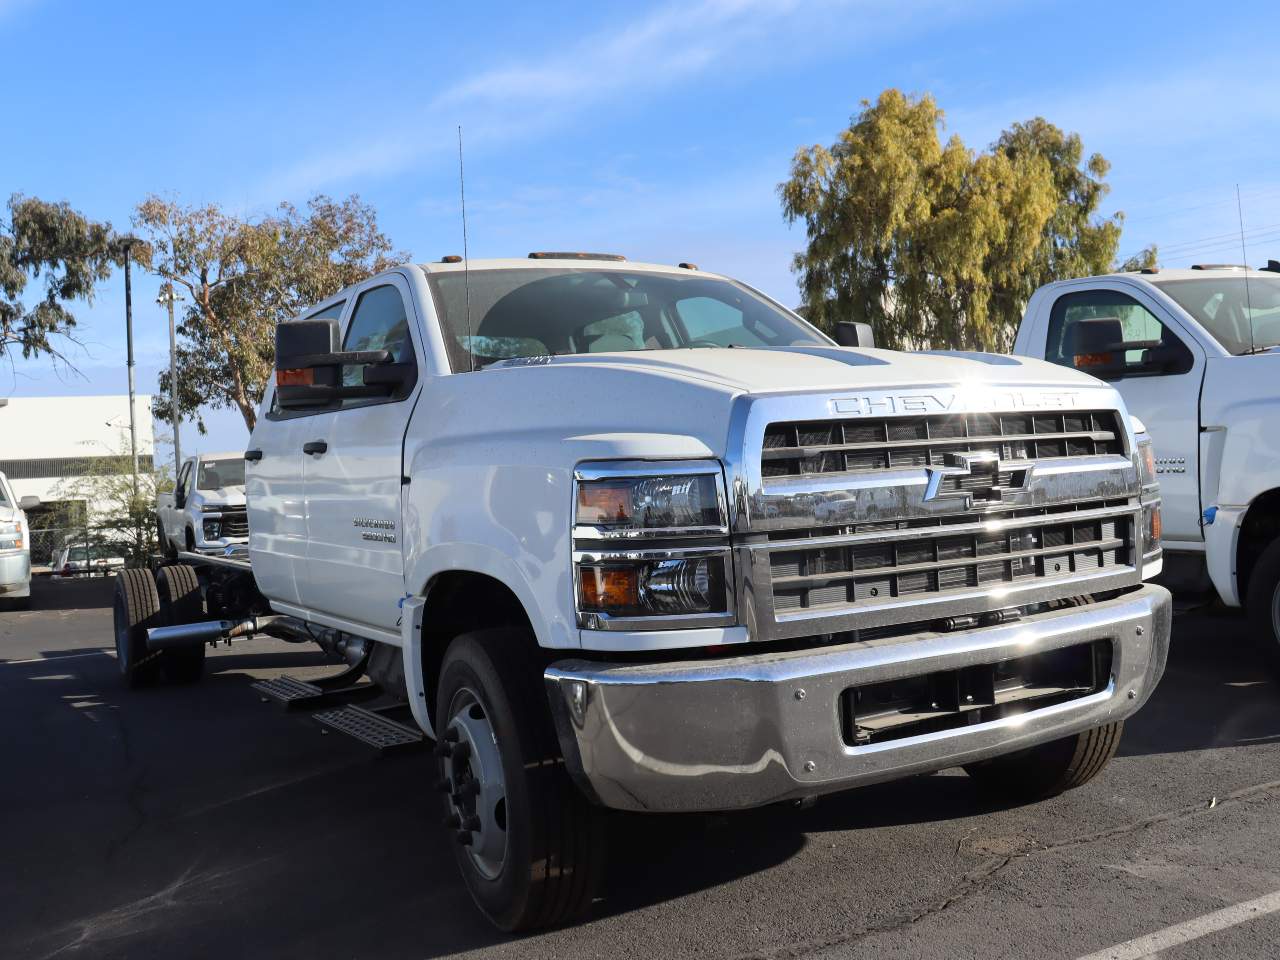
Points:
[[297, 694], [372, 728], [286, 689]]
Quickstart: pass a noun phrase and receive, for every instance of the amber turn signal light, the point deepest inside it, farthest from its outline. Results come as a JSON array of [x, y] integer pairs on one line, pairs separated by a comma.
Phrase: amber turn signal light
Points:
[[609, 588], [305, 377], [604, 502]]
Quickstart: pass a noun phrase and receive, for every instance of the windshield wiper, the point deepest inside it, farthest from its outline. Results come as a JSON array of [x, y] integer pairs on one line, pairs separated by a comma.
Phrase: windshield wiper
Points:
[[1252, 350]]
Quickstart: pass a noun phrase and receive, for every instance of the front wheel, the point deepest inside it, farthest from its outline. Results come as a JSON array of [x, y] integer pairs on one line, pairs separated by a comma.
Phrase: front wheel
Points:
[[1038, 773], [528, 844], [1264, 605]]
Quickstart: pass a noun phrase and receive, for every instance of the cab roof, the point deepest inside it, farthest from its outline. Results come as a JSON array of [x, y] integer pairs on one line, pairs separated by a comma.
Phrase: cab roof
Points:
[[575, 262]]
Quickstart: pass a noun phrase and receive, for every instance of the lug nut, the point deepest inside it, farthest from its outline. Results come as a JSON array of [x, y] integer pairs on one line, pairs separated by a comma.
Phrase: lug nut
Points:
[[810, 766], [800, 693]]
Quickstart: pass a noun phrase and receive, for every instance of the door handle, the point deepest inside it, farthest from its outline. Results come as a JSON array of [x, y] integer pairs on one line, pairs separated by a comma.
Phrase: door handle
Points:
[[253, 455], [315, 446]]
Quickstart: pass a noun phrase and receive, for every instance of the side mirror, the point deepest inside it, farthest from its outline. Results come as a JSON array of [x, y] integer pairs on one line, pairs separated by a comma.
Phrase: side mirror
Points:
[[850, 334], [309, 367], [29, 502], [1097, 346]]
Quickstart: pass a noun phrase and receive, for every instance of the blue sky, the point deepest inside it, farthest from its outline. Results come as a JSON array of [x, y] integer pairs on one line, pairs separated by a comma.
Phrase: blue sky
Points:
[[659, 131]]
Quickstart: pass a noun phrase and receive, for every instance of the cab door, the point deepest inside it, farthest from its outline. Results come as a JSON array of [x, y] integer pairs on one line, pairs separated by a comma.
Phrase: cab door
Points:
[[353, 458], [1160, 382], [277, 509]]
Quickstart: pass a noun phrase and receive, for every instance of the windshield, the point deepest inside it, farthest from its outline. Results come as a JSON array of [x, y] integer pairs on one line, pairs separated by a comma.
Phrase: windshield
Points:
[[536, 312], [220, 473], [1228, 310]]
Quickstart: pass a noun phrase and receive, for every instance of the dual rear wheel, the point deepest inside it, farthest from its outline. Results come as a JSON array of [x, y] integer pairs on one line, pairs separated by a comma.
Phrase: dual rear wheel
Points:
[[143, 601]]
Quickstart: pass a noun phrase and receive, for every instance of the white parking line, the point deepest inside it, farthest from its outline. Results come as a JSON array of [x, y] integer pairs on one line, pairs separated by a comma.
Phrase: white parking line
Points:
[[70, 656], [1153, 943]]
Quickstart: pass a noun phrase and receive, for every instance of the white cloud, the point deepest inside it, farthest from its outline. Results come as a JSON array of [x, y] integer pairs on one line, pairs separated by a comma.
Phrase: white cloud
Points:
[[655, 52]]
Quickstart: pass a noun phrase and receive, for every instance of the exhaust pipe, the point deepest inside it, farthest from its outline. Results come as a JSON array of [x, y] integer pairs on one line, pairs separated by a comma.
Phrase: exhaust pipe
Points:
[[207, 631]]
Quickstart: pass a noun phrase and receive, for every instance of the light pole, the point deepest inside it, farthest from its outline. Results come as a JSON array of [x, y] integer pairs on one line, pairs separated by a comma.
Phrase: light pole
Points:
[[127, 243], [169, 297]]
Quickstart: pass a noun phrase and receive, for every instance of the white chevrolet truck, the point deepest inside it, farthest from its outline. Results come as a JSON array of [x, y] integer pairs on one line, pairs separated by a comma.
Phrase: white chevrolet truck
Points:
[[1196, 356], [631, 537], [205, 511]]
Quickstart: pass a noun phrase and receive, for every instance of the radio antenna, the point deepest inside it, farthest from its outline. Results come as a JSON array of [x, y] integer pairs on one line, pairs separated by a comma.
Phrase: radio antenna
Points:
[[1248, 303], [466, 257]]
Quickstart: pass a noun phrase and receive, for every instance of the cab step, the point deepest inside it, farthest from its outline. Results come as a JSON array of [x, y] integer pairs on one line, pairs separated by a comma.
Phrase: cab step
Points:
[[373, 727], [295, 694]]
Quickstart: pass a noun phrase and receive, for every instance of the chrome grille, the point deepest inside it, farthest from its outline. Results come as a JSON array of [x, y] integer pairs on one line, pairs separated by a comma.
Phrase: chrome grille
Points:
[[869, 444], [235, 522], [874, 565]]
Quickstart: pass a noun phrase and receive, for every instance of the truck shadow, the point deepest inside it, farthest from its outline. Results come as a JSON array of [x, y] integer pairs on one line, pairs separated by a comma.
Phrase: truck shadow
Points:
[[1216, 691]]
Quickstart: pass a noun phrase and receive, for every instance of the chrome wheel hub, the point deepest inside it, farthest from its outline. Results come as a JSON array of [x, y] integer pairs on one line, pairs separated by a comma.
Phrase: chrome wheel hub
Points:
[[474, 781]]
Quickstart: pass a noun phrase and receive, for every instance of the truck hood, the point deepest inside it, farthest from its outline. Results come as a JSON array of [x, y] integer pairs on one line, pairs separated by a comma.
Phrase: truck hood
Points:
[[223, 497], [678, 404], [789, 369]]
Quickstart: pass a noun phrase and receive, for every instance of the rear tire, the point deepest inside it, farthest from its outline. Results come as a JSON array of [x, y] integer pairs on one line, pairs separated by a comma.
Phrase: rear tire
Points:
[[181, 602], [1263, 601], [136, 610], [1051, 768], [551, 849]]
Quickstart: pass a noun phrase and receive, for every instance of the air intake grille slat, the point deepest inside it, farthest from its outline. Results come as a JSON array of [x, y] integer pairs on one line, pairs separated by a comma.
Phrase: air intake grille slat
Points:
[[835, 446], [871, 573]]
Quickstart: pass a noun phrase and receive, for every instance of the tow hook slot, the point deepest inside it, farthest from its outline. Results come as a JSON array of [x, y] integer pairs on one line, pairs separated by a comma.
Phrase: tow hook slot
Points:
[[951, 699]]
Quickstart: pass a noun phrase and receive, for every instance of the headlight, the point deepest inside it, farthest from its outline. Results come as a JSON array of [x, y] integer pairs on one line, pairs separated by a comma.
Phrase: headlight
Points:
[[685, 502], [212, 528], [653, 587], [10, 536], [622, 581], [1146, 460]]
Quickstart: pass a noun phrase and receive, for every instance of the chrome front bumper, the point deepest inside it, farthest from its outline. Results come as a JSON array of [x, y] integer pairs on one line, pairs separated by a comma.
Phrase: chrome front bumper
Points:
[[15, 574], [738, 732]]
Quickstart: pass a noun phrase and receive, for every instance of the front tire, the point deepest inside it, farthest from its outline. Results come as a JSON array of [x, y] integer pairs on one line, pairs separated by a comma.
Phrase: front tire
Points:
[[528, 844], [1047, 770], [1263, 601]]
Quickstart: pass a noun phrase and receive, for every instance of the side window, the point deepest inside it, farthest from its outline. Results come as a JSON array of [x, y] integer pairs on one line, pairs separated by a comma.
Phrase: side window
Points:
[[379, 322], [1112, 335], [184, 479]]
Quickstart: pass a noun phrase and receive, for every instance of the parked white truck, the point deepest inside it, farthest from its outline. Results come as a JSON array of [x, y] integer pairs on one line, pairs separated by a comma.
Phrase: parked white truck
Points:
[[1194, 354], [205, 511], [628, 536], [15, 546]]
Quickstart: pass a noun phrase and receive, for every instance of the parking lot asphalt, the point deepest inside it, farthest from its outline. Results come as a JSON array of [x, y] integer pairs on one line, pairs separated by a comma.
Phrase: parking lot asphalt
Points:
[[198, 822]]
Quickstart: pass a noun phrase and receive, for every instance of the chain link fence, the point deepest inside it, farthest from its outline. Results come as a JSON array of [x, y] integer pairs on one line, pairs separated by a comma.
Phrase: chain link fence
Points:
[[76, 551]]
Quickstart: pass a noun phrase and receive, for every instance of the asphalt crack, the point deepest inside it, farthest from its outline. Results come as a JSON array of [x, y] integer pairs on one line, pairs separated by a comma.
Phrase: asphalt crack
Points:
[[978, 878]]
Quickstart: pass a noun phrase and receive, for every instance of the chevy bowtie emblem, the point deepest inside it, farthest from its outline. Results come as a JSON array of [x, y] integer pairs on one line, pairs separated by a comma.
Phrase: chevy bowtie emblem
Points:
[[980, 479]]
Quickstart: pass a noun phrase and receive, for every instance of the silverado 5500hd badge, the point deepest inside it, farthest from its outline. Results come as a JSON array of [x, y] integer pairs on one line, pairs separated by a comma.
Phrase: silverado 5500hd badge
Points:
[[372, 529]]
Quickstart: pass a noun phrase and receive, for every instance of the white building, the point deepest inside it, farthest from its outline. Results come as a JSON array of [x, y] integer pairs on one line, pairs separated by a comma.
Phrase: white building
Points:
[[46, 443]]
